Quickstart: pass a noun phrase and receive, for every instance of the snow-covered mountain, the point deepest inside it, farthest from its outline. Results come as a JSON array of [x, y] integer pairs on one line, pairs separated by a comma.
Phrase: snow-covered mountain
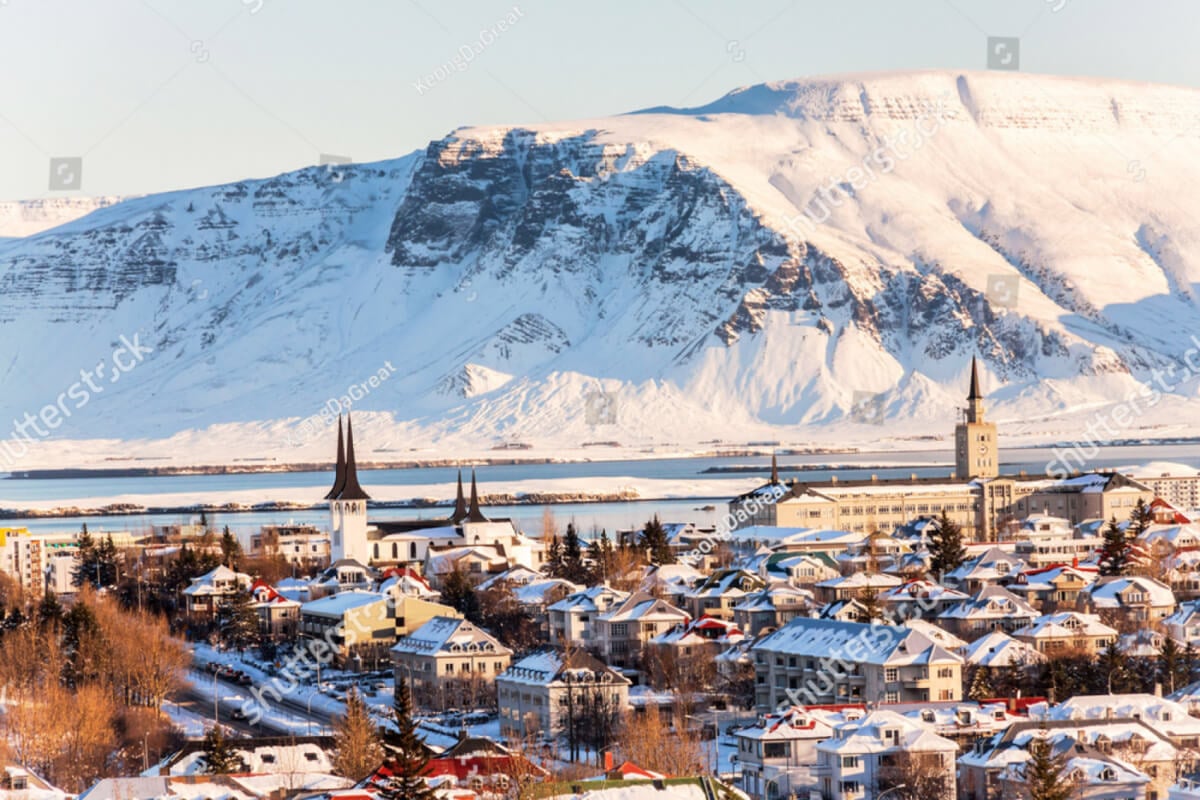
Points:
[[26, 217], [747, 270]]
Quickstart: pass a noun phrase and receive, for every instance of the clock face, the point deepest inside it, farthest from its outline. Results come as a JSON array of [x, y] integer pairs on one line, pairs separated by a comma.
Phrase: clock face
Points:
[[982, 448]]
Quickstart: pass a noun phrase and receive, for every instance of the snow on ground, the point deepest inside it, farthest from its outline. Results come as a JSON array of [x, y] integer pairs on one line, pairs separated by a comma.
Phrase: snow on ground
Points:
[[639, 792]]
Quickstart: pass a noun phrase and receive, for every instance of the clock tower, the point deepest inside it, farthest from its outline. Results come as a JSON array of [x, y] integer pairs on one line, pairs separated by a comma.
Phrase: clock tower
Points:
[[976, 452]]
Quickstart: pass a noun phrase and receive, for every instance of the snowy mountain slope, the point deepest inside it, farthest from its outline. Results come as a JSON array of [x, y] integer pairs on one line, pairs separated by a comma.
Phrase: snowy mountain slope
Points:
[[26, 217], [745, 270]]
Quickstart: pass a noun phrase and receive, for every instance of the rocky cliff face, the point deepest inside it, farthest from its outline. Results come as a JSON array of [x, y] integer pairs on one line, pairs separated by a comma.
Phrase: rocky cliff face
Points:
[[721, 272]]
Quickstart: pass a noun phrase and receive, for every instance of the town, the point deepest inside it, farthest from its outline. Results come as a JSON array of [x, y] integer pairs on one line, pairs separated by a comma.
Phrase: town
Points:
[[976, 636]]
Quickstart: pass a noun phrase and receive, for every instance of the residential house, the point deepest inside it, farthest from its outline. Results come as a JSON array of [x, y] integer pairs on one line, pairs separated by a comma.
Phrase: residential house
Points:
[[998, 650], [623, 630], [850, 587], [547, 692], [867, 756], [1134, 599], [919, 599], [993, 608], [771, 608], [572, 619], [210, 592], [720, 592], [1184, 624], [1067, 631], [1054, 588], [992, 567], [449, 662], [278, 616], [1090, 753], [778, 754]]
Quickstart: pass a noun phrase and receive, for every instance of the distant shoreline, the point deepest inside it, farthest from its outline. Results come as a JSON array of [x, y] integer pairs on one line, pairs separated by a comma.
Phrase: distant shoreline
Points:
[[491, 500]]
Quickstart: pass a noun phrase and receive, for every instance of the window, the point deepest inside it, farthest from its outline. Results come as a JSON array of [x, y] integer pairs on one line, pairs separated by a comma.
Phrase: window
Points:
[[849, 787], [849, 762], [891, 675], [620, 629]]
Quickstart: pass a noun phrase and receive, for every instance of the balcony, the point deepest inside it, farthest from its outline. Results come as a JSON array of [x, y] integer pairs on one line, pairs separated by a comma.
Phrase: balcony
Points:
[[915, 683]]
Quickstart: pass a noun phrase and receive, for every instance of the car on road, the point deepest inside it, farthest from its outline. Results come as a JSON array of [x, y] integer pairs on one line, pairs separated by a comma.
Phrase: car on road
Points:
[[243, 679], [237, 714]]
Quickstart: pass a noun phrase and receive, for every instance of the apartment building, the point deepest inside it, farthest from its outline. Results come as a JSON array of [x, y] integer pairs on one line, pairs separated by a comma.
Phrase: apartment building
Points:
[[625, 629], [446, 658], [539, 693], [818, 661]]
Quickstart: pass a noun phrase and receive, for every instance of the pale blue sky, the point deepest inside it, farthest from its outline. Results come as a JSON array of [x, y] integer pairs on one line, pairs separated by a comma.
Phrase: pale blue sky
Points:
[[161, 94]]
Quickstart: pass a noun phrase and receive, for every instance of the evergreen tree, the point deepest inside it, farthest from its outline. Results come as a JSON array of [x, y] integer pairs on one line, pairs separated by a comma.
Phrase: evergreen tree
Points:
[[1114, 552], [1172, 671], [1188, 668], [409, 759], [50, 611], [946, 549], [459, 593], [219, 757], [656, 544], [85, 570], [574, 569], [602, 556], [1140, 519], [554, 558], [981, 685], [239, 621], [871, 610], [1113, 668], [358, 750], [231, 549], [1044, 776], [107, 560], [80, 626]]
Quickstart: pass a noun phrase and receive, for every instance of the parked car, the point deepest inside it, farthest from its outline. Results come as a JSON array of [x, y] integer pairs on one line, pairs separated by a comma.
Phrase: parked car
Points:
[[243, 679]]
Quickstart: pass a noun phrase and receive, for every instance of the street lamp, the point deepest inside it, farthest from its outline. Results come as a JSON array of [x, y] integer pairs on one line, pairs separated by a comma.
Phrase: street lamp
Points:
[[885, 792]]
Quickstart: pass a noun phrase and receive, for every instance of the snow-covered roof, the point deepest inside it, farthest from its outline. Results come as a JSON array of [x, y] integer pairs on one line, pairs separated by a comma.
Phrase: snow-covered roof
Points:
[[336, 605], [1064, 625], [859, 642], [1114, 592], [448, 635], [998, 649], [589, 600], [871, 735]]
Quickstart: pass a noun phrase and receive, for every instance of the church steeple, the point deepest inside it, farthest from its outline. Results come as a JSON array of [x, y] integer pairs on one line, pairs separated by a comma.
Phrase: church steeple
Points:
[[974, 396], [460, 503], [351, 490], [473, 513], [339, 471], [974, 393], [774, 470]]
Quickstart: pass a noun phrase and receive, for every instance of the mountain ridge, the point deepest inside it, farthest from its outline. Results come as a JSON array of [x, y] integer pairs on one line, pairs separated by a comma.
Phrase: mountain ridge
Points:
[[662, 261]]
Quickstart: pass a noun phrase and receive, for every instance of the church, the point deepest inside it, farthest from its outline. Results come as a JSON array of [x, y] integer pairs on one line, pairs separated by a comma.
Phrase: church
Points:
[[976, 496], [466, 539]]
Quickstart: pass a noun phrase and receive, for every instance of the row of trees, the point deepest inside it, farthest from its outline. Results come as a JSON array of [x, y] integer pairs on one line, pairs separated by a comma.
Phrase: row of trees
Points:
[[1073, 672], [85, 688]]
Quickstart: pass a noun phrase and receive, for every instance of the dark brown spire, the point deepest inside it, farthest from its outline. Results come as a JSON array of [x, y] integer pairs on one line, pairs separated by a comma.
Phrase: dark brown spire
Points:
[[351, 490], [460, 503], [339, 471], [474, 514], [974, 395], [774, 470]]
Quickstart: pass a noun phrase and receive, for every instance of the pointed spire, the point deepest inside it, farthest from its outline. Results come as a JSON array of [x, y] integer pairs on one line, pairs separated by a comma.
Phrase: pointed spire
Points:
[[473, 513], [975, 394], [774, 470], [460, 503], [339, 471], [351, 490]]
